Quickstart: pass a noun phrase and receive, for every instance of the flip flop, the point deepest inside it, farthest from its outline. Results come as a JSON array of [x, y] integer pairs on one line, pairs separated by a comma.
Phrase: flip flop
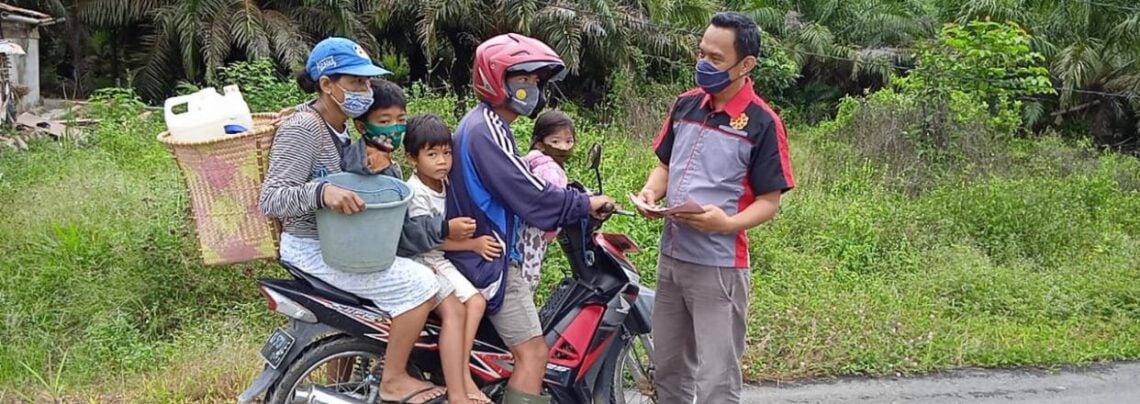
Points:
[[479, 397], [407, 399]]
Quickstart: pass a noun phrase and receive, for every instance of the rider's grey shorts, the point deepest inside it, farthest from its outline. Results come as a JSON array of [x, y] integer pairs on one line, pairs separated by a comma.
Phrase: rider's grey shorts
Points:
[[517, 319]]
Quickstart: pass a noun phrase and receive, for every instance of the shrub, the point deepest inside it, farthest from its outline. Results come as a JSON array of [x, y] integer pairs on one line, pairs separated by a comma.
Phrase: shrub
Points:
[[263, 88], [915, 143], [988, 60]]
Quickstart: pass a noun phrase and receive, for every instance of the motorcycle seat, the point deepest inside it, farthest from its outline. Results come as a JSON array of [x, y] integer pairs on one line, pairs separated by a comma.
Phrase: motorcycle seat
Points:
[[324, 289]]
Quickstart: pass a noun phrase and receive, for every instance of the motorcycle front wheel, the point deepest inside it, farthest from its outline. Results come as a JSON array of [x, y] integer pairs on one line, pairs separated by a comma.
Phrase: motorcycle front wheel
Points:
[[633, 375]]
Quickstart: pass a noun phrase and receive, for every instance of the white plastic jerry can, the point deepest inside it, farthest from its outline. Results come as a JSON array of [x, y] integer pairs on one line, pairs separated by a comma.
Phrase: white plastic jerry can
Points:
[[207, 114]]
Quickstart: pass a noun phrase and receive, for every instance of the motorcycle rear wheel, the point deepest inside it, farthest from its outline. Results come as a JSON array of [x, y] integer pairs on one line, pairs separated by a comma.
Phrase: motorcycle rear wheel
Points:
[[366, 358]]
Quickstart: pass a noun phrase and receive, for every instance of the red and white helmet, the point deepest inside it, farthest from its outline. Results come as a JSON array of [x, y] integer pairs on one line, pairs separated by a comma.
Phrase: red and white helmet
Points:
[[497, 56]]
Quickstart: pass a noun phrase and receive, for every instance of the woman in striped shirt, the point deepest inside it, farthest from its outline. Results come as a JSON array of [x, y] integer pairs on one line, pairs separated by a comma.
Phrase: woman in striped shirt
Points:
[[307, 147]]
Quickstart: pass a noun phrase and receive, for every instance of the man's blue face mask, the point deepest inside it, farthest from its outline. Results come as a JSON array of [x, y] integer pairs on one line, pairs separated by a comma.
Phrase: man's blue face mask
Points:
[[713, 80]]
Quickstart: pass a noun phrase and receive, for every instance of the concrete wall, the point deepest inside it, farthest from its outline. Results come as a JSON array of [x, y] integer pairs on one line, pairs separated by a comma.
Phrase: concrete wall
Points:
[[25, 69]]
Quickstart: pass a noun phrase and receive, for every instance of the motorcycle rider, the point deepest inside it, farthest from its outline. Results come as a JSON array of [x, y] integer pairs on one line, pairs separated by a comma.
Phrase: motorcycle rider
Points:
[[308, 146], [491, 183]]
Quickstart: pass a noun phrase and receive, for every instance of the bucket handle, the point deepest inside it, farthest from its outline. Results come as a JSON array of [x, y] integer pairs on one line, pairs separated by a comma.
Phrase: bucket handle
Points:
[[382, 205], [397, 190]]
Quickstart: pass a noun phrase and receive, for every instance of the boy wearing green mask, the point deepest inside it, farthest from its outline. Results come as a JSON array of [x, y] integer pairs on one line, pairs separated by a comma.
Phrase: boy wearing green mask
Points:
[[382, 127]]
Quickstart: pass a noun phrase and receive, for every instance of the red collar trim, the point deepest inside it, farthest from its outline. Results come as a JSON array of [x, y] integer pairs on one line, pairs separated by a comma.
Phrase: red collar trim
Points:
[[738, 103]]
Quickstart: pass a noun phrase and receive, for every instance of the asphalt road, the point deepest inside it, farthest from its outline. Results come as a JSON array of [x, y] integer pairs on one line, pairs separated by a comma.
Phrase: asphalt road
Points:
[[1095, 384]]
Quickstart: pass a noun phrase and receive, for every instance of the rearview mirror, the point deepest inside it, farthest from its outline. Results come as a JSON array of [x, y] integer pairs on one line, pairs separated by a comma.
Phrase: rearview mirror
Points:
[[595, 156]]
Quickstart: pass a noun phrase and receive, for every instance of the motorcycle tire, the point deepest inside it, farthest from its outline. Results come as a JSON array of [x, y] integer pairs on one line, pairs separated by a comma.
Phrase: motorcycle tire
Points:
[[642, 391], [282, 391]]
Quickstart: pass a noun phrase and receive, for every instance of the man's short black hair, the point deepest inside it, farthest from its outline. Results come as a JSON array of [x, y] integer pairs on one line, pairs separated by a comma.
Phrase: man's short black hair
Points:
[[747, 34], [424, 132], [385, 94]]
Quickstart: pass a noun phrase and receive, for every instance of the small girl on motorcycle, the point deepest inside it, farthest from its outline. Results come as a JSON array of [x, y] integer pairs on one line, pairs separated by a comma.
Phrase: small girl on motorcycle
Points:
[[552, 143]]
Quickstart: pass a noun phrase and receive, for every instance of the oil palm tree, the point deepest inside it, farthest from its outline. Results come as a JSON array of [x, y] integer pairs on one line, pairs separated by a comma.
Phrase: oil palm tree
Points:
[[592, 37], [1091, 48], [86, 20], [190, 39], [198, 36], [849, 44]]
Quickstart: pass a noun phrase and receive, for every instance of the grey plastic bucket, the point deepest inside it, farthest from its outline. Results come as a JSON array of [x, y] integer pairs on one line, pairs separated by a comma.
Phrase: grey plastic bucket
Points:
[[365, 241]]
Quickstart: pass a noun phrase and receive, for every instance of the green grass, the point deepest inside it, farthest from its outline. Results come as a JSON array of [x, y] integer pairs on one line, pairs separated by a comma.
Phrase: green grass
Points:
[[103, 298]]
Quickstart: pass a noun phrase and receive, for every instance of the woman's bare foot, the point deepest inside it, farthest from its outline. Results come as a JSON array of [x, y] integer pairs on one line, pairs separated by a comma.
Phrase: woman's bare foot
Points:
[[409, 389]]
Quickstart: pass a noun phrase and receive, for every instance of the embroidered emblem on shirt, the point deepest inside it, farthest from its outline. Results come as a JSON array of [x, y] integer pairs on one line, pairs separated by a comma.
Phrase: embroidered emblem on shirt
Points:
[[739, 122]]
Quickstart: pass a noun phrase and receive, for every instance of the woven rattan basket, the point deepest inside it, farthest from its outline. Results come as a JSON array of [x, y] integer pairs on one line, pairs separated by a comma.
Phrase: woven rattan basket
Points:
[[223, 177]]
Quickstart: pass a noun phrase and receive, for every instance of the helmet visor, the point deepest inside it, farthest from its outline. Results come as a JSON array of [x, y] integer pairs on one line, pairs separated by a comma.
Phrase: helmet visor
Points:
[[546, 70]]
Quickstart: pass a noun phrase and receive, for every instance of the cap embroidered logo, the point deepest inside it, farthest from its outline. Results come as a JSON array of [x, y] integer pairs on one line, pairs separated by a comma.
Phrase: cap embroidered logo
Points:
[[326, 64], [360, 52]]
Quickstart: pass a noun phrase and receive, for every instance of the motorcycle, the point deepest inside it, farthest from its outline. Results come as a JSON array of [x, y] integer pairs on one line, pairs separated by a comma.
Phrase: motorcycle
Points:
[[596, 322]]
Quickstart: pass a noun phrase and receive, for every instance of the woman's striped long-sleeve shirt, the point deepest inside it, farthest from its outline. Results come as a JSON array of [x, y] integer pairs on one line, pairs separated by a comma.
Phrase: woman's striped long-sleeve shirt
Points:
[[304, 150]]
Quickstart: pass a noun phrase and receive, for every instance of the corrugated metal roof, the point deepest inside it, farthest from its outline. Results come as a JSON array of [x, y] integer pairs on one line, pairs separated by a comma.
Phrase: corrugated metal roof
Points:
[[32, 15]]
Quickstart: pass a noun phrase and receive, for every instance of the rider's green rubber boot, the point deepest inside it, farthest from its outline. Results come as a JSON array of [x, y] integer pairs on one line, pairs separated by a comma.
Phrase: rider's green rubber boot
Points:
[[517, 397]]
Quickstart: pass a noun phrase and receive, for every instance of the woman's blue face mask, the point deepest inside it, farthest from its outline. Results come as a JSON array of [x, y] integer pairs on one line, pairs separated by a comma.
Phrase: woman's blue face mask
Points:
[[355, 103]]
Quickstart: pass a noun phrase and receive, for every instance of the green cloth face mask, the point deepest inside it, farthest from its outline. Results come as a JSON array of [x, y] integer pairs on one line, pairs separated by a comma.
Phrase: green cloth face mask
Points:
[[393, 132]]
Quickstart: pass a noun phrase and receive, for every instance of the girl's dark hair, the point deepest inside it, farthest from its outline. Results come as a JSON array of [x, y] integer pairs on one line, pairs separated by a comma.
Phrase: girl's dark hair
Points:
[[424, 132], [385, 94], [308, 85], [549, 123]]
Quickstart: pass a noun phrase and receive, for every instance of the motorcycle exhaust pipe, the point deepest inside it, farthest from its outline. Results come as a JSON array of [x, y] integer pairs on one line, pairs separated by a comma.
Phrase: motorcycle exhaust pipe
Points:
[[322, 395]]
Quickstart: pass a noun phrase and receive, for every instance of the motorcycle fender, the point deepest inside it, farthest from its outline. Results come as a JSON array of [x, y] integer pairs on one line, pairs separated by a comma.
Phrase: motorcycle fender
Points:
[[601, 385], [259, 386], [640, 319], [305, 334]]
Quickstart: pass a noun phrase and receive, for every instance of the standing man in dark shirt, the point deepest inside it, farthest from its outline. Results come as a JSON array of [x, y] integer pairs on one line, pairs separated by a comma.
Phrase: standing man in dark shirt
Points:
[[724, 147]]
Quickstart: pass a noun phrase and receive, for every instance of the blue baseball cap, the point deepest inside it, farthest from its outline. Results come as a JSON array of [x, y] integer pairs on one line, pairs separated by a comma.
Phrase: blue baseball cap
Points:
[[341, 56]]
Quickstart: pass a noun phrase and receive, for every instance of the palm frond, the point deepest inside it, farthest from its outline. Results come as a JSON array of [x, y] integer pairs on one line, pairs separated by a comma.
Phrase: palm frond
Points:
[[816, 38], [689, 14], [889, 29], [879, 62], [1126, 84], [316, 21], [1126, 34], [286, 38], [998, 10], [774, 20], [519, 14], [1042, 45], [115, 12], [1076, 66], [1033, 113], [560, 30], [248, 30], [152, 77], [217, 44]]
